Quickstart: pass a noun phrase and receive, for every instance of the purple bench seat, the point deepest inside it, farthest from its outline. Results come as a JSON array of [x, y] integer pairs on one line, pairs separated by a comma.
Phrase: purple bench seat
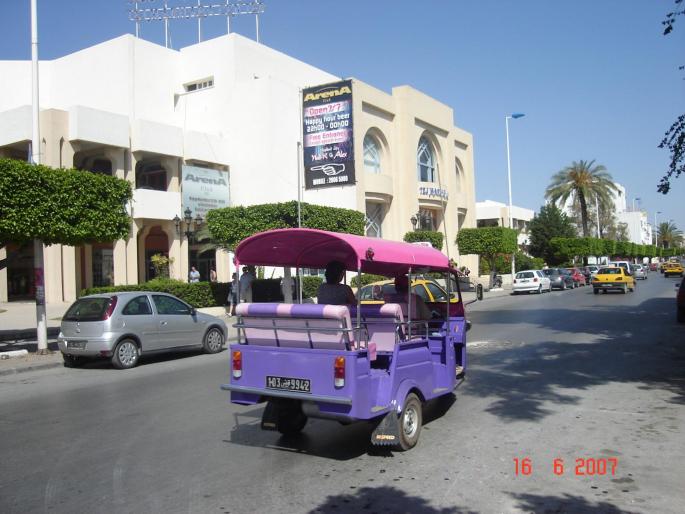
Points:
[[383, 323], [296, 325]]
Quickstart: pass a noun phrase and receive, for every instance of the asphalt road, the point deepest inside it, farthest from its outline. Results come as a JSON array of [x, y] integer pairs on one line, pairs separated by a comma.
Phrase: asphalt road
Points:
[[565, 375]]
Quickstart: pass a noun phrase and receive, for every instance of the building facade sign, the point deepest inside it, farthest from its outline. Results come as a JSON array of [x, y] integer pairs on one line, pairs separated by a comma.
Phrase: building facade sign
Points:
[[204, 189], [327, 129], [434, 192]]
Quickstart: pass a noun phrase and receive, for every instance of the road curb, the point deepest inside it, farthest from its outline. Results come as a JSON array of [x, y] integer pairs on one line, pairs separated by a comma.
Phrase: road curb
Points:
[[32, 367]]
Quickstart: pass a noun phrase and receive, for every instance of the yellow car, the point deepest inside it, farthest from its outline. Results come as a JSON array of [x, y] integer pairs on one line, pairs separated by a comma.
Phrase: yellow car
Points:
[[429, 290], [673, 269], [613, 277]]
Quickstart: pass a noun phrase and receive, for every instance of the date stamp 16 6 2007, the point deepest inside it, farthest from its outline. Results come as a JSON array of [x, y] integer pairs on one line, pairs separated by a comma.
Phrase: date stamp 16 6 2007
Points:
[[582, 466]]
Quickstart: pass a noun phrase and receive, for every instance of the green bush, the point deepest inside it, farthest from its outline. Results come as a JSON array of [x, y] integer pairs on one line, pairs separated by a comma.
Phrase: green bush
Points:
[[367, 278], [432, 236], [310, 286], [61, 206], [198, 294]]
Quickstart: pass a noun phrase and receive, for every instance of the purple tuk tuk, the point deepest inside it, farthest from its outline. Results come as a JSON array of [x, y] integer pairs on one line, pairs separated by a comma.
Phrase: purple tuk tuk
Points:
[[347, 363]]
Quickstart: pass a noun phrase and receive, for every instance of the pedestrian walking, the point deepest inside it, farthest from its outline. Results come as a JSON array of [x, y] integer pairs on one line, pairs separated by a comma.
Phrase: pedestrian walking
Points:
[[246, 285], [233, 294]]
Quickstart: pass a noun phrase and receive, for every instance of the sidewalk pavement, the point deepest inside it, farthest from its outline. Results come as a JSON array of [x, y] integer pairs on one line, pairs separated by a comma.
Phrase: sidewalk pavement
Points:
[[18, 332]]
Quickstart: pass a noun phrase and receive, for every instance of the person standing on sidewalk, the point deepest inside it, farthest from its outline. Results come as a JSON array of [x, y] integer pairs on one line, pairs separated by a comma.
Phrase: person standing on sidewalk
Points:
[[246, 285], [194, 275]]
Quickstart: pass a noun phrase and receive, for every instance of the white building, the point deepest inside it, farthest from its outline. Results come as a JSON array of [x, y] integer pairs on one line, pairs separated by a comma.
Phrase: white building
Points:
[[496, 214], [639, 229], [232, 109]]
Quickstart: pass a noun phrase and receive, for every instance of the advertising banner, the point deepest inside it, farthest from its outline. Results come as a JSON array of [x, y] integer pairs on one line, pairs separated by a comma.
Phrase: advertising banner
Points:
[[204, 189], [327, 128]]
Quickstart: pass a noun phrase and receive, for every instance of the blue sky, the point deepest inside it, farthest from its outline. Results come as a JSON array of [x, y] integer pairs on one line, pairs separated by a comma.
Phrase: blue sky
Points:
[[596, 79]]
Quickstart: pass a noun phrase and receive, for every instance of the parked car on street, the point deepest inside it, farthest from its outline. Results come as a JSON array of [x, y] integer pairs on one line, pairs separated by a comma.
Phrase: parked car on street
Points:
[[578, 277], [559, 278], [653, 266], [122, 326], [590, 271], [680, 303], [613, 278], [532, 280], [638, 271]]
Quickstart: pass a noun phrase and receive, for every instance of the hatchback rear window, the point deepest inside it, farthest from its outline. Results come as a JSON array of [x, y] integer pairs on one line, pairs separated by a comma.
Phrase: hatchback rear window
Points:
[[525, 274], [87, 309], [610, 271]]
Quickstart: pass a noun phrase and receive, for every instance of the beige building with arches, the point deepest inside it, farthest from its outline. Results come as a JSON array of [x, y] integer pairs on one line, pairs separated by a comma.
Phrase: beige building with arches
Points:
[[230, 108]]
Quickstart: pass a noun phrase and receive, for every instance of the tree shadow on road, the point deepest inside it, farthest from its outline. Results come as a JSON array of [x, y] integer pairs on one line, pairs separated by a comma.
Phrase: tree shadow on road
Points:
[[565, 503], [523, 377], [382, 499]]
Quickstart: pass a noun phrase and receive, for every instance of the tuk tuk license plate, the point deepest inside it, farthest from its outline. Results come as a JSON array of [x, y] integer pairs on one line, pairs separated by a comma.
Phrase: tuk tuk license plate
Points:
[[299, 385]]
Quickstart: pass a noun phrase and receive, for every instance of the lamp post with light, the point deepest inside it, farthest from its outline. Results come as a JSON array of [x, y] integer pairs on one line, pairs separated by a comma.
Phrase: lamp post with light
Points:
[[192, 225], [514, 116], [656, 230]]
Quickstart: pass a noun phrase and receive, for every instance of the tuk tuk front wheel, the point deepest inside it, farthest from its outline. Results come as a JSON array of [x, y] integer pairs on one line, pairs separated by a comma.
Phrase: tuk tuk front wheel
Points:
[[410, 422]]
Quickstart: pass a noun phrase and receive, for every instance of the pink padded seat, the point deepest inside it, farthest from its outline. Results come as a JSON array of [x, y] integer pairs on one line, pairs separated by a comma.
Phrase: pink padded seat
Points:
[[383, 323]]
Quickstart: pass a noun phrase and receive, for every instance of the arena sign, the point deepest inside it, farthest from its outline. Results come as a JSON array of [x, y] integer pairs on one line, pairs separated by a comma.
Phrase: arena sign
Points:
[[204, 189], [328, 135]]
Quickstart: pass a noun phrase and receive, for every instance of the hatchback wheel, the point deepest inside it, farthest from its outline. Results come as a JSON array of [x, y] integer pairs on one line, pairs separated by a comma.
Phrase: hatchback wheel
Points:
[[214, 340], [539, 291], [125, 354]]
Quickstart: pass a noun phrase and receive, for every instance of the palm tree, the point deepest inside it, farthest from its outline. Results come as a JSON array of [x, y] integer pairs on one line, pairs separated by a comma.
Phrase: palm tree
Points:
[[582, 181], [669, 235]]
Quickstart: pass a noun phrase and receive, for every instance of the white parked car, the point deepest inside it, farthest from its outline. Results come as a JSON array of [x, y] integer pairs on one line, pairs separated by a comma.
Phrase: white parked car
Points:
[[532, 280]]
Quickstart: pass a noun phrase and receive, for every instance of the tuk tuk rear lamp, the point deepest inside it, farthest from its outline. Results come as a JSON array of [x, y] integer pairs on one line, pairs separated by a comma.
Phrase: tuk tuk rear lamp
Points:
[[339, 372], [237, 365]]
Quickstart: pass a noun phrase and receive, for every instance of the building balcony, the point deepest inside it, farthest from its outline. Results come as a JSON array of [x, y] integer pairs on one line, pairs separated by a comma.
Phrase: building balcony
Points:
[[158, 205], [378, 187]]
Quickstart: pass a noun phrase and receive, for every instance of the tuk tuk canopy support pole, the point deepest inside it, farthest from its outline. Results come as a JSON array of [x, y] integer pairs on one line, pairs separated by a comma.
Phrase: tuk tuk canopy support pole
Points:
[[359, 307], [409, 302]]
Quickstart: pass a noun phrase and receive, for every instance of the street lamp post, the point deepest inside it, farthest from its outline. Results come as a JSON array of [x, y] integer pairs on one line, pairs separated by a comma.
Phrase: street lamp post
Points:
[[511, 220], [656, 230]]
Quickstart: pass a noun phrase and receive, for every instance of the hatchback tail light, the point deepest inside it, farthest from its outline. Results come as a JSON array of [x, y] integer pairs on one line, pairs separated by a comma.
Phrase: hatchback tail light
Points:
[[339, 372], [110, 308], [535, 279], [237, 364]]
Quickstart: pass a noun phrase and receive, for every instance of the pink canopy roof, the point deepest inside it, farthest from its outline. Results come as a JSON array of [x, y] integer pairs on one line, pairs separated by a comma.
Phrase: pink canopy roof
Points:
[[309, 248]]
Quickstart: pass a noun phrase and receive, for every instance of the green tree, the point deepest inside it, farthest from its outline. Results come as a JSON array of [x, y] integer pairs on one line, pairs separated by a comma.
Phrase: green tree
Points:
[[674, 139], [432, 236], [582, 181], [669, 235], [61, 206], [550, 222], [230, 225], [488, 242]]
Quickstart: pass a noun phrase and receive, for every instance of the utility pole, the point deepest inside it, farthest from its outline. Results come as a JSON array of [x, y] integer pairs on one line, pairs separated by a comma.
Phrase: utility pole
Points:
[[38, 264]]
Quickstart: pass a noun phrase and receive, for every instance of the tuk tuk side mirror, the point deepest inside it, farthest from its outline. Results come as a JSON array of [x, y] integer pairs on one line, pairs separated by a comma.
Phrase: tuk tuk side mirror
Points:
[[479, 291]]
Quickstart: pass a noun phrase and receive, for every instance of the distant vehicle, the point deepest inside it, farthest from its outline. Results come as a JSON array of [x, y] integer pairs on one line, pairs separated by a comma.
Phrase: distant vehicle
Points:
[[578, 277], [673, 269], [623, 264], [590, 271], [429, 290], [122, 326], [559, 278], [653, 266], [638, 271], [532, 280], [680, 302], [613, 278]]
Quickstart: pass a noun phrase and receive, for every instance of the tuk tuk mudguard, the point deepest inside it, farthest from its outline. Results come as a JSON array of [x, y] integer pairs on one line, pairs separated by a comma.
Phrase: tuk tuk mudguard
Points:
[[387, 433]]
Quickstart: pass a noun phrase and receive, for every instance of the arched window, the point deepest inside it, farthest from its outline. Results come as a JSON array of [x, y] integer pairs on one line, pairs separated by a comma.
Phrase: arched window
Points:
[[425, 161], [459, 170], [372, 155]]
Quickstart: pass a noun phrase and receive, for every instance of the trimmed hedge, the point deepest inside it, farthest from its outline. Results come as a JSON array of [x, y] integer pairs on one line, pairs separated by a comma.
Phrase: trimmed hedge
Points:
[[198, 294], [367, 278], [432, 236], [310, 286]]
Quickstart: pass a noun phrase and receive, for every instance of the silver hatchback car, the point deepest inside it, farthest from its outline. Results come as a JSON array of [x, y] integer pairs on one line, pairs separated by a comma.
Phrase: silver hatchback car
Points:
[[122, 326]]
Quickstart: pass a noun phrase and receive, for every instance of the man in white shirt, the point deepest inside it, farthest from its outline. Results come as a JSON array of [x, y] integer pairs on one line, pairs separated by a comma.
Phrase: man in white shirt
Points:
[[246, 280]]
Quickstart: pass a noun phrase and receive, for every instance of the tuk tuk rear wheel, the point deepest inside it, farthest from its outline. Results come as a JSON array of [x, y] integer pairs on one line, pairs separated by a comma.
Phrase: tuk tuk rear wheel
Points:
[[291, 419], [410, 422]]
